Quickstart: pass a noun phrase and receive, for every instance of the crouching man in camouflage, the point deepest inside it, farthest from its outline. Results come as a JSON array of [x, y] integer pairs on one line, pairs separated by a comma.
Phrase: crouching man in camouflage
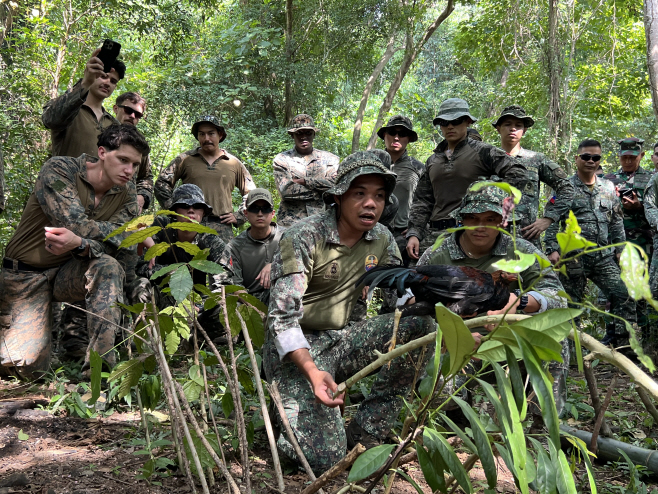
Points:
[[310, 344], [59, 252]]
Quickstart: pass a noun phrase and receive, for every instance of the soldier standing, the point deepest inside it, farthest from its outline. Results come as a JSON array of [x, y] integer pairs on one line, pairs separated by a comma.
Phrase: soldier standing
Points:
[[214, 171], [599, 214], [512, 126], [302, 173]]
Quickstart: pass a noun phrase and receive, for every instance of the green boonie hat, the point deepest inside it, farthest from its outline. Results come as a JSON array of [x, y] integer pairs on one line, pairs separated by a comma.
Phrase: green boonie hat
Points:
[[631, 146], [357, 164], [212, 120], [517, 112], [302, 122], [452, 109], [399, 121], [259, 195], [481, 201], [189, 195]]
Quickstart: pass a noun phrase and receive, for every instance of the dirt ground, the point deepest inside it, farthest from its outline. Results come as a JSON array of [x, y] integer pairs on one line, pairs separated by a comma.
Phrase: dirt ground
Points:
[[42, 453]]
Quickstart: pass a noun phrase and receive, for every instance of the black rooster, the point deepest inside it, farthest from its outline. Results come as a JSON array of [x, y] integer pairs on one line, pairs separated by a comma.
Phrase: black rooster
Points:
[[463, 290]]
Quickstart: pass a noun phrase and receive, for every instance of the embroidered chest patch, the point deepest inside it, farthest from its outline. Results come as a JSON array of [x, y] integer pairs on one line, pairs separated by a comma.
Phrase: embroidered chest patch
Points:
[[371, 261], [333, 271]]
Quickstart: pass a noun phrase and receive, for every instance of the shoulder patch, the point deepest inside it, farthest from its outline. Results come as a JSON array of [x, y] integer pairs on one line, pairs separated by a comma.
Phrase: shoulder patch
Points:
[[288, 256], [333, 271], [58, 185], [371, 261]]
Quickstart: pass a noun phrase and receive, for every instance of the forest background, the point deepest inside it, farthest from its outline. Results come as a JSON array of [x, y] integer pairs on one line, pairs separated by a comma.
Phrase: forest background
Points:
[[579, 67]]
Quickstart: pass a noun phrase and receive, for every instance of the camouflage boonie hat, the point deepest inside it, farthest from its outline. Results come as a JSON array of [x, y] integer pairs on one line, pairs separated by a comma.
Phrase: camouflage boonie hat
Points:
[[452, 109], [481, 201], [517, 112], [259, 195], [384, 157], [357, 164], [399, 121], [302, 122], [212, 120], [189, 195], [631, 146]]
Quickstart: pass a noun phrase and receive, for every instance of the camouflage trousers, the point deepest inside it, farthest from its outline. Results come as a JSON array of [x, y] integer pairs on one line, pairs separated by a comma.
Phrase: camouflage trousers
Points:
[[653, 269], [26, 309], [319, 429], [224, 230], [604, 273]]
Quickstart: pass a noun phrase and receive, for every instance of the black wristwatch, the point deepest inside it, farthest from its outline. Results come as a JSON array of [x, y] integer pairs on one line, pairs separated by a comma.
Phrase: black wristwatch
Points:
[[523, 300], [82, 247]]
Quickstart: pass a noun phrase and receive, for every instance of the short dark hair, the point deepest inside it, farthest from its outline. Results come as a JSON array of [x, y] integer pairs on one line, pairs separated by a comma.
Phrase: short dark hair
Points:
[[131, 96], [117, 134], [589, 143], [120, 68], [655, 146]]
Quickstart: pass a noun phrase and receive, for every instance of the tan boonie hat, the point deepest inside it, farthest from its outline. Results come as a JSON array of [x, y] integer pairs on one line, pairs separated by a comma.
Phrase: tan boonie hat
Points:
[[302, 122], [259, 195]]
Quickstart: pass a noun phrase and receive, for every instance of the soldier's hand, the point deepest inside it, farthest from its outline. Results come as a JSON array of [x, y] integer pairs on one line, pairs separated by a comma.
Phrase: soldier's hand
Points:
[[264, 276], [533, 231], [140, 203], [554, 257], [631, 203], [413, 246], [228, 218], [93, 70], [323, 387], [61, 240]]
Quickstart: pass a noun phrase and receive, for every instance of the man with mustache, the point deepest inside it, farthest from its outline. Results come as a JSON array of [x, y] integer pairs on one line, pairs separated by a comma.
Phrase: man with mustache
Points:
[[302, 173], [214, 171], [59, 251], [77, 117]]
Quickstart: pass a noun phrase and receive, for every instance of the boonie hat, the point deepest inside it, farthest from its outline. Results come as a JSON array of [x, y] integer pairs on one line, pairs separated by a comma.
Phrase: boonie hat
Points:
[[259, 195], [355, 165], [302, 122], [631, 146], [486, 199], [452, 109], [399, 121], [212, 120], [517, 112], [189, 195]]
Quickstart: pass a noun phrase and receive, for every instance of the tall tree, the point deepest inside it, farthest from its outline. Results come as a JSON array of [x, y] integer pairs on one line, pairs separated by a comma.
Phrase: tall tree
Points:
[[651, 33]]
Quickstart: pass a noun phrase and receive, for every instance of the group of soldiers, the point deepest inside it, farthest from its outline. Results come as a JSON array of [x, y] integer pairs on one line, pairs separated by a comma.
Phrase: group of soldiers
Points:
[[336, 220]]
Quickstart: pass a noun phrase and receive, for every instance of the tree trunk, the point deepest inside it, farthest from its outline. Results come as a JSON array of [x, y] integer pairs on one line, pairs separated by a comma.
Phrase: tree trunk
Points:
[[287, 109], [651, 30], [410, 55], [554, 75], [356, 135]]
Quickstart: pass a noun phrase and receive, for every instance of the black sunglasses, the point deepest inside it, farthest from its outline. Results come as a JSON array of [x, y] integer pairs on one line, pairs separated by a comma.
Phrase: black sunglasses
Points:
[[198, 205], [394, 132], [131, 111], [257, 209], [455, 122], [587, 157]]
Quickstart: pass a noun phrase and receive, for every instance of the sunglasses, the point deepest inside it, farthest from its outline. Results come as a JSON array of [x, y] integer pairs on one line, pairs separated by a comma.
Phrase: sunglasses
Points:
[[457, 121], [257, 209], [186, 206], [305, 133], [131, 111], [587, 157], [394, 132]]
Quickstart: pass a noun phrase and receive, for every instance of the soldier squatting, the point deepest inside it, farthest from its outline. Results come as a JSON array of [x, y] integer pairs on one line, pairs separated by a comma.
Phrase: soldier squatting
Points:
[[336, 220]]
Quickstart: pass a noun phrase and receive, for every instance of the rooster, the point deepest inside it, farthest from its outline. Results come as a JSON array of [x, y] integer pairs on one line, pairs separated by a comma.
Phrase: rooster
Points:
[[462, 289]]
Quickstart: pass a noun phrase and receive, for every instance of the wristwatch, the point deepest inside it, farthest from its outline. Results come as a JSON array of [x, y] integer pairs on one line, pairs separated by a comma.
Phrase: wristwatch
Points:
[[82, 247], [523, 300]]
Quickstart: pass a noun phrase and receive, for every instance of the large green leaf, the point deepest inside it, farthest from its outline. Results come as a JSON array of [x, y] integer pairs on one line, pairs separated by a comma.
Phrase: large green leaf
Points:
[[188, 247], [460, 433], [585, 453], [139, 236], [254, 323], [436, 442], [432, 467], [564, 477], [181, 283], [231, 309], [192, 390], [516, 438], [156, 250], [207, 267], [369, 462], [571, 239], [141, 221], [172, 340], [546, 479], [127, 367], [635, 272], [250, 299], [516, 380], [166, 270], [519, 265], [457, 337], [96, 365], [190, 227]]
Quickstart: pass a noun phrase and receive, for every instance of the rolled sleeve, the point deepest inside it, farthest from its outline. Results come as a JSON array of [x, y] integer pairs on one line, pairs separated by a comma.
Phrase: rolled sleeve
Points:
[[543, 303], [290, 340]]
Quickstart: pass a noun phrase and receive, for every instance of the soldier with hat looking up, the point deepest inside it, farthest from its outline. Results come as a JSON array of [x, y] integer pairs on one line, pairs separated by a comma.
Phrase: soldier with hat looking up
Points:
[[215, 171], [302, 173], [512, 126], [310, 343]]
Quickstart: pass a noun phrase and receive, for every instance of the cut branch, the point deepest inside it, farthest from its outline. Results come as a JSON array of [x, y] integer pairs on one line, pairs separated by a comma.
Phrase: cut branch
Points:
[[594, 394], [336, 470]]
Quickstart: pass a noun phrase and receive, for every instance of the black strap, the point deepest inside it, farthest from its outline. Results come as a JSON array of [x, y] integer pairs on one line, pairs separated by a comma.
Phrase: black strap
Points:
[[21, 266], [443, 224]]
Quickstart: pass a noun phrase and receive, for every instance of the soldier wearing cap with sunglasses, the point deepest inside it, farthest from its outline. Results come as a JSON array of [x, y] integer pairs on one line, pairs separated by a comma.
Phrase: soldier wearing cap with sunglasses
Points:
[[303, 173], [457, 162], [214, 171]]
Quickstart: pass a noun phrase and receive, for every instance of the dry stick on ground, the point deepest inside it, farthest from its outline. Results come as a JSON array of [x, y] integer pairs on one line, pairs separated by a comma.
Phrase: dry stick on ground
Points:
[[336, 470], [594, 393], [648, 404], [202, 398], [263, 404], [212, 414], [276, 398], [599, 419], [222, 465]]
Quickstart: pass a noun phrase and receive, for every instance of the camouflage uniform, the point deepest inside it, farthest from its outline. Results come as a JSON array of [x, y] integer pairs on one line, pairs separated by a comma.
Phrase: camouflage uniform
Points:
[[318, 169], [601, 220], [651, 213], [313, 293], [217, 181], [31, 277], [545, 285]]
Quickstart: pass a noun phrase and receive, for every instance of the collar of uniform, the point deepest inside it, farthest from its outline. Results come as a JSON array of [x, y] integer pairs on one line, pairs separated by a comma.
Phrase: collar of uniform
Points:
[[331, 226], [263, 240], [584, 186], [82, 166], [456, 252], [224, 156], [402, 158], [314, 155], [443, 145]]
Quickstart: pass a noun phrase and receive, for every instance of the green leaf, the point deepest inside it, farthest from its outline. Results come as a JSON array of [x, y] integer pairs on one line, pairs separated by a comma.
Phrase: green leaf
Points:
[[516, 439], [22, 436], [172, 341], [195, 375], [516, 380], [181, 283], [192, 390], [571, 239], [637, 347], [234, 322], [188, 247], [437, 442], [511, 190], [635, 272], [585, 453], [227, 403], [432, 467], [166, 270], [250, 299], [96, 365], [204, 290], [519, 265], [207, 267], [190, 227], [144, 220], [457, 336], [565, 481], [127, 368], [409, 479], [543, 262], [254, 324], [460, 433], [546, 479], [369, 462], [139, 236], [156, 250]]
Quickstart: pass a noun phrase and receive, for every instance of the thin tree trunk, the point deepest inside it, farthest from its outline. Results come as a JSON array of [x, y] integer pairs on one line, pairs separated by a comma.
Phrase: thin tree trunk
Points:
[[554, 75], [356, 135], [287, 109], [410, 56], [651, 30]]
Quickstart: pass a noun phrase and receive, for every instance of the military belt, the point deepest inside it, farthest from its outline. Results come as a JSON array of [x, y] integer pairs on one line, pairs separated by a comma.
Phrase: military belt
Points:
[[443, 224], [21, 266]]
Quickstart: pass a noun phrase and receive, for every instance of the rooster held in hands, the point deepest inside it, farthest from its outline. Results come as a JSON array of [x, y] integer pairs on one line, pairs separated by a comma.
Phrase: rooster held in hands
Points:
[[462, 289]]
